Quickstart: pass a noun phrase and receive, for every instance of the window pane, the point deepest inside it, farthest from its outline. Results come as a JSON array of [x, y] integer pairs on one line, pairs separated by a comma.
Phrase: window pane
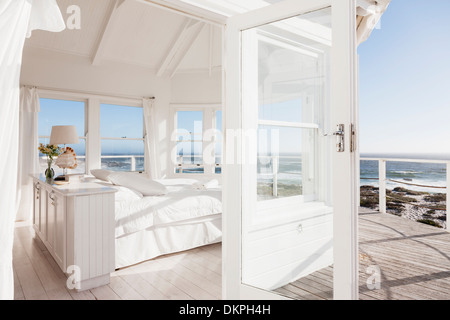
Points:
[[190, 142], [59, 113], [123, 155], [285, 162], [54, 112], [290, 111], [190, 122], [80, 152], [291, 93], [121, 121]]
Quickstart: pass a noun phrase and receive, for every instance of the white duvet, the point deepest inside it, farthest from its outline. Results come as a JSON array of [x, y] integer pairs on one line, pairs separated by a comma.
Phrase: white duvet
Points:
[[183, 202]]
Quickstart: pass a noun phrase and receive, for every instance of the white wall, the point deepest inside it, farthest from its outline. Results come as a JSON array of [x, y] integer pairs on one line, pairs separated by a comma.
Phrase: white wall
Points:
[[197, 87]]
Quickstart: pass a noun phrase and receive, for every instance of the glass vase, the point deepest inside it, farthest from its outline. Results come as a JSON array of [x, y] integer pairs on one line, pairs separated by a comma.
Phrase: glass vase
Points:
[[49, 172]]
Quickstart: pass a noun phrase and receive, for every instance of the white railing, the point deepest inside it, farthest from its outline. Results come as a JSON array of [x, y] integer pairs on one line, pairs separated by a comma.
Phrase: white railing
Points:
[[181, 165], [382, 180], [132, 157]]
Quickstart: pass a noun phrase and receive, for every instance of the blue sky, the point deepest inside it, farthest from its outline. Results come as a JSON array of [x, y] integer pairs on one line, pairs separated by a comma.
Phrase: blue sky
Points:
[[405, 80], [116, 122]]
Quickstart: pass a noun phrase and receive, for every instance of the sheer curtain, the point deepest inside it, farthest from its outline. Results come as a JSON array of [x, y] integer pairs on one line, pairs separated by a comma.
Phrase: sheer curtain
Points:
[[151, 143], [28, 161], [17, 19]]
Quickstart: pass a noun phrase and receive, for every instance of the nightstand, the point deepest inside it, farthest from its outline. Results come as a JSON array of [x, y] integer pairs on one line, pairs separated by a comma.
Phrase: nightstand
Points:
[[76, 223]]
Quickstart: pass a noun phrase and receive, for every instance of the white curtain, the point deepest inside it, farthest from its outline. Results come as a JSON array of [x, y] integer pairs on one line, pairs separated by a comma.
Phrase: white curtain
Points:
[[17, 19], [151, 143], [28, 161]]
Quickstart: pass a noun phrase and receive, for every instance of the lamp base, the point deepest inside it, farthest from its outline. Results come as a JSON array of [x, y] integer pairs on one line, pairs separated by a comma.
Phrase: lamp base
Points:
[[60, 178]]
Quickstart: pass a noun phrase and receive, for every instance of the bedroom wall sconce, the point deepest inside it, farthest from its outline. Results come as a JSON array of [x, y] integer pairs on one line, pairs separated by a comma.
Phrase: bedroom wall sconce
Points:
[[67, 160]]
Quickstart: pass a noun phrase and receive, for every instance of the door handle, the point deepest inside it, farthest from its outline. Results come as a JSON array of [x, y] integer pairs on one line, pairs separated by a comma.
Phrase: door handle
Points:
[[340, 138]]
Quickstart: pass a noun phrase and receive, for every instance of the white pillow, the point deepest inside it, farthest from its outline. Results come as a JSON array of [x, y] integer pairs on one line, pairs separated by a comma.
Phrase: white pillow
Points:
[[139, 183], [126, 194], [101, 174]]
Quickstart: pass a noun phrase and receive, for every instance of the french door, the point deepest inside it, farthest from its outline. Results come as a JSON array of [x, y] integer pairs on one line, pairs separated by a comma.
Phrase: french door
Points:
[[290, 207]]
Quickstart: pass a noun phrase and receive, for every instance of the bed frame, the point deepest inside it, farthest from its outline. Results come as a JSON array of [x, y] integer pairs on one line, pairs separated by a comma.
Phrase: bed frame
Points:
[[165, 239]]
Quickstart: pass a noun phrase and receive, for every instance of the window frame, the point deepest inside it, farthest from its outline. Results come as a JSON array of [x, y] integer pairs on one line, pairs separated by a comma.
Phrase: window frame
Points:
[[143, 139], [208, 143], [50, 96], [264, 207], [92, 120]]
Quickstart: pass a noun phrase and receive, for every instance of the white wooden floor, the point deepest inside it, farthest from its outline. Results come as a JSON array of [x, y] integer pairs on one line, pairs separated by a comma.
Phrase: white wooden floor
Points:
[[414, 260], [191, 275]]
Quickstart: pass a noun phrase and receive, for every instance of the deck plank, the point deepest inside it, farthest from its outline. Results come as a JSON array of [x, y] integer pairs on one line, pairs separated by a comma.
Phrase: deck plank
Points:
[[413, 259]]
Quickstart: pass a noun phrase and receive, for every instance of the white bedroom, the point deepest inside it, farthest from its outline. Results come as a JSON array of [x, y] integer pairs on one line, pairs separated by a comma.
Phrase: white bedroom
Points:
[[128, 92]]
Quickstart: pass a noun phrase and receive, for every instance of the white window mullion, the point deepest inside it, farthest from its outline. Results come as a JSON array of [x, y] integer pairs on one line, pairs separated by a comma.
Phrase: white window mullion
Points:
[[208, 142], [93, 142]]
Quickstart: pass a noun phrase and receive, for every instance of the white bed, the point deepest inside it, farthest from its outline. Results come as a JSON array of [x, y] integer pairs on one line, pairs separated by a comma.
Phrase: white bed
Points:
[[149, 226]]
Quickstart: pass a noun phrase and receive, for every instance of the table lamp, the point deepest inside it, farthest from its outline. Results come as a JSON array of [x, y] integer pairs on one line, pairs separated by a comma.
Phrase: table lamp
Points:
[[65, 135]]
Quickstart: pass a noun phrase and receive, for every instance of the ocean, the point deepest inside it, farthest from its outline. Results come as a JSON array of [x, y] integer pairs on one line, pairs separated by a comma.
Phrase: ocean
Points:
[[290, 170], [407, 174]]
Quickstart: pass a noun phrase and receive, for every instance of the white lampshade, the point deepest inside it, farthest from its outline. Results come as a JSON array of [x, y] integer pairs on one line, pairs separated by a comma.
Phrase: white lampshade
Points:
[[64, 135]]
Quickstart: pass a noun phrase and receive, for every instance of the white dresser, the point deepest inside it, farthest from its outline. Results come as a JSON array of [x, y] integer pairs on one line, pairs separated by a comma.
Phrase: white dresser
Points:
[[76, 223]]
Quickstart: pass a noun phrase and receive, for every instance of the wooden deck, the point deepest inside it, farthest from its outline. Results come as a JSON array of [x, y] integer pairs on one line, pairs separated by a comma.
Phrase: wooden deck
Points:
[[413, 259]]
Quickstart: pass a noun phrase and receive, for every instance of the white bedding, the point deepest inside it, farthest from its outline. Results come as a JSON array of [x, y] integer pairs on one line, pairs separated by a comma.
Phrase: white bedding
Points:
[[183, 202]]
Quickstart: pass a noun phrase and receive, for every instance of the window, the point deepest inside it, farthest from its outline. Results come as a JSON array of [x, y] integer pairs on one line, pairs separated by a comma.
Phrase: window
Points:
[[198, 139], [189, 142], [55, 112], [122, 138]]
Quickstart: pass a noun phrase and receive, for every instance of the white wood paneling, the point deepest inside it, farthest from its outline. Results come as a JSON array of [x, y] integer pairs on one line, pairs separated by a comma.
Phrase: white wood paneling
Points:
[[279, 255], [60, 232]]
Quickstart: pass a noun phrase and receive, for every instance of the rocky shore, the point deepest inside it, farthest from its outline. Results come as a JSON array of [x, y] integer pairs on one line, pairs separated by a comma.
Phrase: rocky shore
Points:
[[423, 207]]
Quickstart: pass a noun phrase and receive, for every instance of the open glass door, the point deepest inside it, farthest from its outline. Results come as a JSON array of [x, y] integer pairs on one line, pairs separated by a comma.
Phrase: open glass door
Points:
[[289, 181]]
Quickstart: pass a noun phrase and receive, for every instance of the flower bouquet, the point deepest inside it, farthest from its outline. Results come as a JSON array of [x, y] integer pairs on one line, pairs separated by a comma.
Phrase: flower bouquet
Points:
[[50, 151]]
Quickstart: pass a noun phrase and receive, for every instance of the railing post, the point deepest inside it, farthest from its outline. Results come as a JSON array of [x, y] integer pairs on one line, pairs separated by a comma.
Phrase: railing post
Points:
[[275, 175], [382, 185], [448, 197], [133, 163]]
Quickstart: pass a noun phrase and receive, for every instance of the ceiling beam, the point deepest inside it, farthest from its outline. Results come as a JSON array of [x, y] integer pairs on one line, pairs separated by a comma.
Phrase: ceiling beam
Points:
[[107, 30], [188, 10], [180, 47]]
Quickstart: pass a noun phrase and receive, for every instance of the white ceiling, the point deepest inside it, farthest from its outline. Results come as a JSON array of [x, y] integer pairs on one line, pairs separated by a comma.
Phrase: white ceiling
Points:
[[139, 33], [131, 32]]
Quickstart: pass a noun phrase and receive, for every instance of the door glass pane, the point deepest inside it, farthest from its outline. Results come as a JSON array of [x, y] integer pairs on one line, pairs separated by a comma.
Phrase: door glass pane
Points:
[[287, 220], [218, 139], [286, 166]]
